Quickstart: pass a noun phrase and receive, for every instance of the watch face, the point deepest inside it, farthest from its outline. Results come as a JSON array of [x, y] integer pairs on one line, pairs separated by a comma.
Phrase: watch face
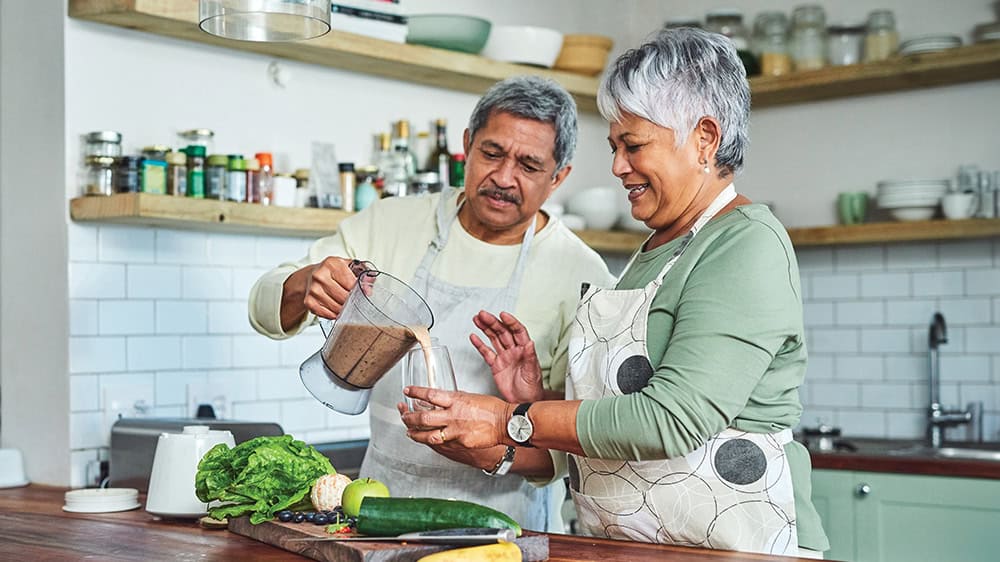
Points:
[[519, 428]]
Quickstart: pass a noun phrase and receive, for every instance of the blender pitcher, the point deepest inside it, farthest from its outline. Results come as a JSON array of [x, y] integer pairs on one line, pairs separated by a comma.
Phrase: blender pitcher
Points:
[[374, 330]]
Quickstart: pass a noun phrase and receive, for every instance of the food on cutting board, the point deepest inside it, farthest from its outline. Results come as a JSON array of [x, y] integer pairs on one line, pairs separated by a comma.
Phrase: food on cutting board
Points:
[[500, 552], [261, 477], [359, 490], [328, 490], [390, 517]]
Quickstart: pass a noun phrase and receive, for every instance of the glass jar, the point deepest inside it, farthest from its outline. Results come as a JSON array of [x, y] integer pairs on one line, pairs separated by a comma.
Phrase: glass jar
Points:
[[457, 175], [215, 176], [99, 176], [266, 177], [196, 171], [771, 40], [423, 183], [103, 143], [682, 21], [760, 24], [845, 43], [197, 137], [253, 180], [808, 37], [881, 37], [152, 176], [730, 24], [236, 178], [156, 152], [176, 173], [127, 175]]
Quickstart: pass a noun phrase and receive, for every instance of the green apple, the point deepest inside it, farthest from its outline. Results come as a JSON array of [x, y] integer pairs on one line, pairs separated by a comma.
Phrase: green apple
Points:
[[359, 490]]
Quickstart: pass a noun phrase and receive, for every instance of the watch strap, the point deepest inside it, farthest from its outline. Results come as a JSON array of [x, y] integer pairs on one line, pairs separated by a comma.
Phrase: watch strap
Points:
[[503, 466]]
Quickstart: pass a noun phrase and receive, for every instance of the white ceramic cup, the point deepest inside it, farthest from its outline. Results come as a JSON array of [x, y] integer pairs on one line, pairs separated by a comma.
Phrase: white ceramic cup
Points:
[[171, 483], [959, 205]]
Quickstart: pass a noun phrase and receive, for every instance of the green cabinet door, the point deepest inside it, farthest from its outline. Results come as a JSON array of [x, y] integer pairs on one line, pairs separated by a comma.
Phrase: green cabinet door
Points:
[[904, 518], [883, 517], [833, 496]]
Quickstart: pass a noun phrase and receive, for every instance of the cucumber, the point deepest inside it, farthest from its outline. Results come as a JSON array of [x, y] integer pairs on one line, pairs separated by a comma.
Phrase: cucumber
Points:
[[388, 517]]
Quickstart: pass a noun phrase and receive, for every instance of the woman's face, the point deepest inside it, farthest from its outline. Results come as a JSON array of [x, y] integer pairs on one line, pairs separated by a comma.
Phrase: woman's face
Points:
[[663, 180]]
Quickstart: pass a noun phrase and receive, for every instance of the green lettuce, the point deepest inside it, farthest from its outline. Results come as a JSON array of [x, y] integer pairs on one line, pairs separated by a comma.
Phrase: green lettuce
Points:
[[261, 476]]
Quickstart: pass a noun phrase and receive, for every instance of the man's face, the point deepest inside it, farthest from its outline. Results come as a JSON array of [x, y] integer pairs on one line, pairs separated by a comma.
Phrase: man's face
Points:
[[509, 173]]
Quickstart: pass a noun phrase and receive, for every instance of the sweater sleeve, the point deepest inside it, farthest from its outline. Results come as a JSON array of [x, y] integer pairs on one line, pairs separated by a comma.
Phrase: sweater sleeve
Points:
[[734, 314]]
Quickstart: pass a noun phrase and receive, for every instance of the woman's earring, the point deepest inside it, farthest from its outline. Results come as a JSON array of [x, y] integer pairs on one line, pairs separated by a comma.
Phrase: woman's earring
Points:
[[705, 169]]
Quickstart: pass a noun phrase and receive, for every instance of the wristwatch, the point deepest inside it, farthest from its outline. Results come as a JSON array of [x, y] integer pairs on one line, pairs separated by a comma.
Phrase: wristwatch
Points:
[[506, 461], [519, 427]]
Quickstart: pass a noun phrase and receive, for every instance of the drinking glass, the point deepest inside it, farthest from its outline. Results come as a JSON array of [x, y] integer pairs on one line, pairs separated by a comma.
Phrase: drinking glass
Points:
[[415, 372]]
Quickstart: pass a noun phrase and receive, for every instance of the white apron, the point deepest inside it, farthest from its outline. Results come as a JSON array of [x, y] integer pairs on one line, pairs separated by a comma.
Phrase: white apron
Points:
[[732, 493], [414, 469]]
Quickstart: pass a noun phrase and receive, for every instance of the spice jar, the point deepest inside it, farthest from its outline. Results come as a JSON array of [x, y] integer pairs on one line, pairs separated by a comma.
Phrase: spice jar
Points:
[[253, 180], [99, 175], [771, 43], [844, 44], [730, 24], [176, 173], [196, 171], [236, 178], [127, 175], [197, 137], [348, 184], [103, 143], [152, 176], [266, 177], [808, 38], [215, 176], [881, 37], [457, 175]]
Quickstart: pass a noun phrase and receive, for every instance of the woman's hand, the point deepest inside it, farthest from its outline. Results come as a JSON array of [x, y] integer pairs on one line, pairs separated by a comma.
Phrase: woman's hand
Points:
[[512, 358], [485, 459], [470, 421]]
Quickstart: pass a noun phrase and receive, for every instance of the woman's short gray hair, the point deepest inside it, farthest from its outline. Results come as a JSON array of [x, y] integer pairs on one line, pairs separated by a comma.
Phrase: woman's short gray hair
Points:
[[675, 79], [537, 98]]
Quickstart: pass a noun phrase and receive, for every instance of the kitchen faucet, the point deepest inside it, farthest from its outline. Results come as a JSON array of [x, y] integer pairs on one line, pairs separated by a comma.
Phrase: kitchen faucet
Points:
[[937, 416]]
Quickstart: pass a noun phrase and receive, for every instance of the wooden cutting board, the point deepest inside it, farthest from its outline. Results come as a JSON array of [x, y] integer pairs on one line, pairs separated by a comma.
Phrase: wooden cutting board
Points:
[[533, 546]]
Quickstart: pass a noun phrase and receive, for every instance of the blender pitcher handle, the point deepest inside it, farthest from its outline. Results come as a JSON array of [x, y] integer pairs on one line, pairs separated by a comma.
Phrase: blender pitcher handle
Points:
[[358, 268]]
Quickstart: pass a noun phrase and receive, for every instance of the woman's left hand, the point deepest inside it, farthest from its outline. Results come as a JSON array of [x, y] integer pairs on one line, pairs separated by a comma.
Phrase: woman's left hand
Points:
[[472, 421]]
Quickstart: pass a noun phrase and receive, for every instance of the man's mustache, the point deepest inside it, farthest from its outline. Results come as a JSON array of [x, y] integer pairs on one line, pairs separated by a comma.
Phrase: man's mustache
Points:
[[501, 194]]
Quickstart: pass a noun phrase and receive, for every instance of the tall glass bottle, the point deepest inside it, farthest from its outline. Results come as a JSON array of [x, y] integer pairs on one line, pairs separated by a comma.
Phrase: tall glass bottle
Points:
[[400, 164], [440, 159]]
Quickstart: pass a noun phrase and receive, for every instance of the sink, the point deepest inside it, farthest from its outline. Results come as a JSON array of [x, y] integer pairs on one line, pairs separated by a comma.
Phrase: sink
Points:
[[963, 453]]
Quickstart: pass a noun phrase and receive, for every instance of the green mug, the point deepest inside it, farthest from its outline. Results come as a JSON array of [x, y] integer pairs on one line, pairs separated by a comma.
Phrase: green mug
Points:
[[852, 207]]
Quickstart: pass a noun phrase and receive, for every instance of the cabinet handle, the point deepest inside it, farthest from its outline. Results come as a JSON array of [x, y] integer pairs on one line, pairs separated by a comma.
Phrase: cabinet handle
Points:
[[862, 490]]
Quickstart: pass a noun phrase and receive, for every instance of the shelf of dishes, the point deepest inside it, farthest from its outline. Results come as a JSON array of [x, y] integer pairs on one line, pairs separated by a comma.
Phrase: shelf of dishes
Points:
[[165, 211], [473, 73]]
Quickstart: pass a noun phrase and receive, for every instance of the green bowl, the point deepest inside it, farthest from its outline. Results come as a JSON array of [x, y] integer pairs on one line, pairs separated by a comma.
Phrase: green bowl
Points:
[[467, 34]]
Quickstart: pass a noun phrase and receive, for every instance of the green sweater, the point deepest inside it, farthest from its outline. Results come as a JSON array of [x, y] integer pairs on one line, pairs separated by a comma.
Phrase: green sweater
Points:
[[726, 340]]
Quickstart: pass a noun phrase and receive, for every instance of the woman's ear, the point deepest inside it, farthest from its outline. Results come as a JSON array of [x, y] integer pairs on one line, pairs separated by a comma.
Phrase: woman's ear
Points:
[[708, 134]]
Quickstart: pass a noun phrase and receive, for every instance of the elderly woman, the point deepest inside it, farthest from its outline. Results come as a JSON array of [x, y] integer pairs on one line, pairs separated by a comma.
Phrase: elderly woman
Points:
[[683, 383]]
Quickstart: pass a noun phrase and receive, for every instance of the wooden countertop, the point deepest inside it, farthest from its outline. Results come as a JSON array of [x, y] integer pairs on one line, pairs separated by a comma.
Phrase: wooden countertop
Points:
[[883, 455], [34, 527]]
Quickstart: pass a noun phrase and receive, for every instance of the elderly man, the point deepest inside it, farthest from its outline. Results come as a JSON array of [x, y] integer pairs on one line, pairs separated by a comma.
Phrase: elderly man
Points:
[[487, 247]]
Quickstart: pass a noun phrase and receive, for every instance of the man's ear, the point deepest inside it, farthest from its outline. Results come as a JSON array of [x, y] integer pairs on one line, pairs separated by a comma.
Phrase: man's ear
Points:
[[466, 142], [708, 133], [559, 178]]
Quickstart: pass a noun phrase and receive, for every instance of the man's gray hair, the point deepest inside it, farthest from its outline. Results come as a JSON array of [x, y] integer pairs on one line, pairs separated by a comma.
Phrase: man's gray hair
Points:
[[675, 79], [536, 98]]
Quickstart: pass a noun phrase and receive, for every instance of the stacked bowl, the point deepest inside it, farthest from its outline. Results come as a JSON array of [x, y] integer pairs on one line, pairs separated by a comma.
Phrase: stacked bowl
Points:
[[911, 200]]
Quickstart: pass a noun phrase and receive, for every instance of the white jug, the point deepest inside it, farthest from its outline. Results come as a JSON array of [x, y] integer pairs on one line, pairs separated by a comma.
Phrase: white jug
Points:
[[171, 484]]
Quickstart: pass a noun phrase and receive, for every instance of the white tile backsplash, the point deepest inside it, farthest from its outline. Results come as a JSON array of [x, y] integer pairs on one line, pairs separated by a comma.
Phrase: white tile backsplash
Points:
[[177, 304]]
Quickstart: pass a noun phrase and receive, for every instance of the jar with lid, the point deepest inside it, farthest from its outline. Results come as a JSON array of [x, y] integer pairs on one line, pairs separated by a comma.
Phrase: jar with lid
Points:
[[266, 177], [99, 175], [127, 175], [423, 183], [197, 137], [196, 171], [215, 176], [681, 21], [236, 178], [103, 143], [457, 175], [152, 176], [348, 185], [881, 37], [771, 43], [844, 44], [176, 173], [808, 37], [253, 180], [730, 24]]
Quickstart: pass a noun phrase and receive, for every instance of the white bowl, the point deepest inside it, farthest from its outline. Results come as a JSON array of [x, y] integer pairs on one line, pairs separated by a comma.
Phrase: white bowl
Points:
[[599, 206], [913, 213], [574, 222], [523, 44]]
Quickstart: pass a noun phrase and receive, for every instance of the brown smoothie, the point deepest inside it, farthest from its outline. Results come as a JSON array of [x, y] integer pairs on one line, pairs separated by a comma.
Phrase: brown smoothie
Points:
[[359, 354]]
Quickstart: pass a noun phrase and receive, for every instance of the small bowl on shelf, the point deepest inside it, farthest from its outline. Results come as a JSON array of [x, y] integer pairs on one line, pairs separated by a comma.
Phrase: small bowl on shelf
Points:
[[584, 54], [522, 44], [466, 34], [599, 206], [908, 214]]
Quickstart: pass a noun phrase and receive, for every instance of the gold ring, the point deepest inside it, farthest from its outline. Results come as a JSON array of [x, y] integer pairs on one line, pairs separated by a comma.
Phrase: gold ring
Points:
[[441, 434]]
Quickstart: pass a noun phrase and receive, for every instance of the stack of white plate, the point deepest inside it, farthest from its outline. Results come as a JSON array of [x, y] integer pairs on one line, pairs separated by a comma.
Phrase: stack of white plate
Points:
[[929, 44], [101, 500], [986, 32], [911, 200]]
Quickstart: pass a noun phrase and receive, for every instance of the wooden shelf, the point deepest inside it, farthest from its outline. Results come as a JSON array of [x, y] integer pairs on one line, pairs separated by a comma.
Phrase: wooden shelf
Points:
[[203, 214], [471, 73]]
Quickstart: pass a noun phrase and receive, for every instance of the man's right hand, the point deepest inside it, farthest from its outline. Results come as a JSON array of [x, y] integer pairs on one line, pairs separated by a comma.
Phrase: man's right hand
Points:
[[321, 288], [512, 358]]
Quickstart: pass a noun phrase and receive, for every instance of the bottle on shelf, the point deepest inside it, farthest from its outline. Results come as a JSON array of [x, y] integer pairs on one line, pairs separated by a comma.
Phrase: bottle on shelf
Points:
[[400, 165], [457, 175], [440, 158], [265, 177], [196, 171]]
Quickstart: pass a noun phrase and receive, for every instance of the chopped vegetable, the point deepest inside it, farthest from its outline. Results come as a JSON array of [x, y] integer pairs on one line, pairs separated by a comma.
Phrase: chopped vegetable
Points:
[[261, 477]]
